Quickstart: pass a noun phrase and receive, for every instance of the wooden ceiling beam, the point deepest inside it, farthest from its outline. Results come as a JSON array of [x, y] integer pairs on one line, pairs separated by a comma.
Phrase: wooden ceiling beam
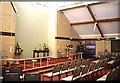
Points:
[[100, 20], [85, 22], [90, 11], [108, 20]]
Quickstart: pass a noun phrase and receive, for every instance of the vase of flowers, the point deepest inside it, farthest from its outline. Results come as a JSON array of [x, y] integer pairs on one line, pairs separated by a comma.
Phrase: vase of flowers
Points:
[[18, 50], [67, 48]]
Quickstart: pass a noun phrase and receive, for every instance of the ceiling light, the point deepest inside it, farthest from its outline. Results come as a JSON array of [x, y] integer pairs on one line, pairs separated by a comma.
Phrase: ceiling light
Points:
[[117, 37]]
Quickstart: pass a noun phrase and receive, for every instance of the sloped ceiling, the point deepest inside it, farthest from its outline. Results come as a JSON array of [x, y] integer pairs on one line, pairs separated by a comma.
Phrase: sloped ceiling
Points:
[[99, 19]]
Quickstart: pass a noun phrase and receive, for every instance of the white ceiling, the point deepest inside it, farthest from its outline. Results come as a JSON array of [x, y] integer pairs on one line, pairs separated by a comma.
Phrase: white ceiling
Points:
[[108, 10], [100, 11], [86, 29], [78, 15]]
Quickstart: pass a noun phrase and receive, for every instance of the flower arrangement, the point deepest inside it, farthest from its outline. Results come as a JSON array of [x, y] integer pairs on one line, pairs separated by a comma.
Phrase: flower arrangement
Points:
[[18, 48], [45, 46], [68, 47]]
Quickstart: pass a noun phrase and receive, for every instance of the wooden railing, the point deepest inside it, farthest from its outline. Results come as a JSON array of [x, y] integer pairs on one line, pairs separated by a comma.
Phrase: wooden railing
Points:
[[33, 60]]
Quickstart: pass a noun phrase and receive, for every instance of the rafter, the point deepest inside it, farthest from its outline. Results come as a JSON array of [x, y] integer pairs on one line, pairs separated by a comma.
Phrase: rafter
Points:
[[108, 20], [90, 11], [85, 22], [100, 20]]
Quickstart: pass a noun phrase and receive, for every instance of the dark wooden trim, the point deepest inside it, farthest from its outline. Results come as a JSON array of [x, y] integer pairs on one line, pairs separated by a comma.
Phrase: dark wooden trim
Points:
[[84, 5], [74, 39], [62, 38], [13, 7], [108, 20], [77, 39], [88, 39], [7, 34], [86, 22], [100, 20]]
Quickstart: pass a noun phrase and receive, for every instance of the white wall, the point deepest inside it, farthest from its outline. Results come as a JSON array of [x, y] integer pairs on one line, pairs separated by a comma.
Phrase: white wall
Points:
[[31, 27], [52, 31]]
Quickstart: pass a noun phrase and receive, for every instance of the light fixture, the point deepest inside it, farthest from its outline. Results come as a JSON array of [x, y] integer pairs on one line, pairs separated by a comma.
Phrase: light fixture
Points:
[[94, 26], [117, 38]]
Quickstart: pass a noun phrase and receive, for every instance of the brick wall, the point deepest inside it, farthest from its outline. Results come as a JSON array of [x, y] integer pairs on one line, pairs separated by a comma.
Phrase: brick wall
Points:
[[64, 29], [7, 26]]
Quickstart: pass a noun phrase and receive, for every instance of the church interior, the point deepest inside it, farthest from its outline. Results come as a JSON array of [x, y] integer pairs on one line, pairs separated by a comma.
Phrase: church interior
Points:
[[59, 41]]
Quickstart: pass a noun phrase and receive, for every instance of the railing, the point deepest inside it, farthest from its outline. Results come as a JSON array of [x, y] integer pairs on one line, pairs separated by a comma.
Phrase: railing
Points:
[[33, 60], [80, 55]]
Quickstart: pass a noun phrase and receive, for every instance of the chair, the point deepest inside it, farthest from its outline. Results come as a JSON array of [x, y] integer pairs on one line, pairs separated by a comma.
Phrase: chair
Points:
[[17, 70], [110, 76], [32, 77], [84, 71], [101, 65], [96, 68], [97, 65], [78, 64], [55, 72], [2, 72], [83, 63], [104, 64], [72, 66], [117, 73], [75, 76], [87, 62], [91, 70], [64, 69], [11, 77]]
